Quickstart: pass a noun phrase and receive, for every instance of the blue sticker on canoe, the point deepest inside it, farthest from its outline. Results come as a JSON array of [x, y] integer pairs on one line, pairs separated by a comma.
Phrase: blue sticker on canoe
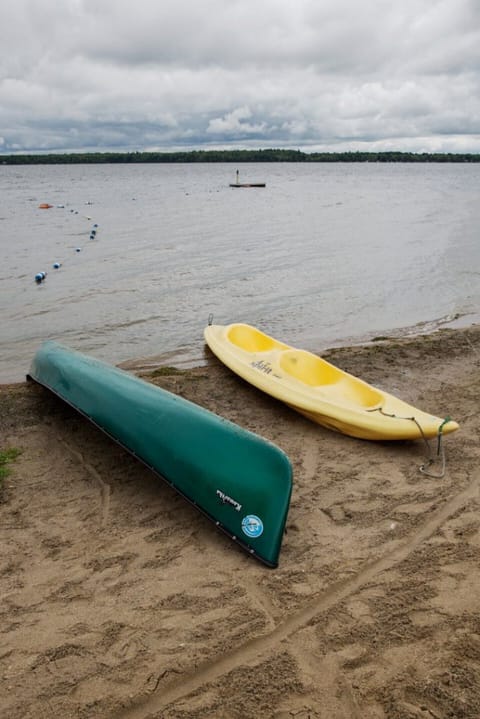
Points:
[[252, 526]]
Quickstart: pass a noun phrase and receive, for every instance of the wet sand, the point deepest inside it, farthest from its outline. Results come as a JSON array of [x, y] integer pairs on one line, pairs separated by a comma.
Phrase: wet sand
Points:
[[120, 601]]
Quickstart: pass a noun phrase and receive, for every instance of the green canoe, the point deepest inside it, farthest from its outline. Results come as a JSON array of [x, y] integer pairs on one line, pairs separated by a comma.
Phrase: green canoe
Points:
[[239, 480]]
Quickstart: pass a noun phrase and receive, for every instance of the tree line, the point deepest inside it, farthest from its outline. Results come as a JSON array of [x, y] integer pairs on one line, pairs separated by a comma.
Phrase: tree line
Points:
[[234, 156]]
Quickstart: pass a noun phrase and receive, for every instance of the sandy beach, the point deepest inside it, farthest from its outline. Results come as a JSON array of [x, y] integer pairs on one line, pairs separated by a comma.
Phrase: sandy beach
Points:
[[120, 601]]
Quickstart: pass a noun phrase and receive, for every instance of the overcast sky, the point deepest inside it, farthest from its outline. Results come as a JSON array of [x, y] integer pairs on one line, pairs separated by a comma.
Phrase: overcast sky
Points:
[[197, 74]]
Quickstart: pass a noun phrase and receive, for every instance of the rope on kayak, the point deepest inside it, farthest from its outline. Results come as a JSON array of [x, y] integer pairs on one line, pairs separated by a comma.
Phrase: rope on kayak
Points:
[[429, 459], [440, 453]]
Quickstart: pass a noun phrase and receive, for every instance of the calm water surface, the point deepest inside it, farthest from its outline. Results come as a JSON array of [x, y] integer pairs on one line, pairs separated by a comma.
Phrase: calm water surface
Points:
[[326, 254]]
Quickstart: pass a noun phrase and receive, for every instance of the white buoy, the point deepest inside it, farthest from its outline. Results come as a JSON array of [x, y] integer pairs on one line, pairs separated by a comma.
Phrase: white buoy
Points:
[[57, 265], [40, 276]]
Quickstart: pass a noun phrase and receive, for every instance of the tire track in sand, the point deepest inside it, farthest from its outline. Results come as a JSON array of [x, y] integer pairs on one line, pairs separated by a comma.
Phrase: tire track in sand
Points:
[[255, 650]]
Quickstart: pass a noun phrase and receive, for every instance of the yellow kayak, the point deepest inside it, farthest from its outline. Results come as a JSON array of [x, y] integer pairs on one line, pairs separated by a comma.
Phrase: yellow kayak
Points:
[[319, 390]]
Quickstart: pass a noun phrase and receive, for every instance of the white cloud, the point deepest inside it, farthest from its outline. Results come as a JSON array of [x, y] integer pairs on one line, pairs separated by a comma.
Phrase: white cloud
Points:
[[234, 123], [314, 73]]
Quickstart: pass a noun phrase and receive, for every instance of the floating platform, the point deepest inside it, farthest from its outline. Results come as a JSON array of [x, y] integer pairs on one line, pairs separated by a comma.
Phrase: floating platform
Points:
[[248, 184]]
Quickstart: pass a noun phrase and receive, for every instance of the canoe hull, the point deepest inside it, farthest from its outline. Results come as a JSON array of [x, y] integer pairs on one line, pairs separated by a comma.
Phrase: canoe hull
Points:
[[318, 390], [236, 478]]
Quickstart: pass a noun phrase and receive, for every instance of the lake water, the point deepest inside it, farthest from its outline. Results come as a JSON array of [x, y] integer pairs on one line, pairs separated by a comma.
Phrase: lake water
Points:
[[325, 254]]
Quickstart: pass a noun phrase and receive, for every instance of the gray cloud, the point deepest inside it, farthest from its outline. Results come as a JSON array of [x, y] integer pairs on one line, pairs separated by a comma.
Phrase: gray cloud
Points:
[[314, 74]]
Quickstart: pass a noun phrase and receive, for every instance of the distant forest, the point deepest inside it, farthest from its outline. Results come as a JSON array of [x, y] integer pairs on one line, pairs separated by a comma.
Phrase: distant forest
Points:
[[234, 156]]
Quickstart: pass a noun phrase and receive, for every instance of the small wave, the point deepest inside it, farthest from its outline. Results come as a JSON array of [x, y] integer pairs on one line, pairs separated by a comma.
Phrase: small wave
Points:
[[421, 328], [182, 358], [428, 326], [112, 327]]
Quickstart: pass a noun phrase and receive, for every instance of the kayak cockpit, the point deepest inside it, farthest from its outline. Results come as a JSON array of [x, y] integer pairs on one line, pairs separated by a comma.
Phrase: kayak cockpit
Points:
[[252, 340], [328, 379]]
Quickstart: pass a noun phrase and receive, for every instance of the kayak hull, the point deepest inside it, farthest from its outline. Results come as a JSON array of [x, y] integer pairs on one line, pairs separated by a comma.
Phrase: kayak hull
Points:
[[237, 479], [318, 390]]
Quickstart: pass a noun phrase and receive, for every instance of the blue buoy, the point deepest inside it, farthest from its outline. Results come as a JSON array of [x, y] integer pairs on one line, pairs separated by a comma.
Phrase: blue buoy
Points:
[[56, 265], [40, 276], [95, 225]]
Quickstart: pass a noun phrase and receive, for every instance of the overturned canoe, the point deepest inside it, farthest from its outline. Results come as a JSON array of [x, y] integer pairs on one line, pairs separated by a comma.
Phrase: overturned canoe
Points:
[[319, 390], [237, 479]]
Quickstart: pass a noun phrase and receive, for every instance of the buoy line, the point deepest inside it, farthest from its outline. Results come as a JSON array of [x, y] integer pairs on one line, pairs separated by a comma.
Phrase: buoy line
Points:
[[40, 277]]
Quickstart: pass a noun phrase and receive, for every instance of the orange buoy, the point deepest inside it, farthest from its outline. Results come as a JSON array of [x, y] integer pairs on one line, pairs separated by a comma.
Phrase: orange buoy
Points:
[[45, 206]]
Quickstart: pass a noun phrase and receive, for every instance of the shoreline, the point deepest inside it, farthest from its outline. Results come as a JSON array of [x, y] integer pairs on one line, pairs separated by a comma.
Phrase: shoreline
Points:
[[259, 156], [121, 601], [145, 364]]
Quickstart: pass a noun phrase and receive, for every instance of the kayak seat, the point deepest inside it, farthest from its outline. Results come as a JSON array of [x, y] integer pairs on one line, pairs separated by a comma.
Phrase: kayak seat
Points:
[[309, 368], [352, 392], [328, 381], [252, 340]]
